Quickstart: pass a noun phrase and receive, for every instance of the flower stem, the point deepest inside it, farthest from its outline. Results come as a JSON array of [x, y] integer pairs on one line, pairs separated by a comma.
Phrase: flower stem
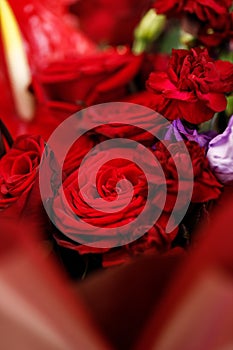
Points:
[[4, 133]]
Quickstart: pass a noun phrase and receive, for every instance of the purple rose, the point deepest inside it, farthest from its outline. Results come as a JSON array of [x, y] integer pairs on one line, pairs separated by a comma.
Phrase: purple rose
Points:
[[177, 131], [220, 155]]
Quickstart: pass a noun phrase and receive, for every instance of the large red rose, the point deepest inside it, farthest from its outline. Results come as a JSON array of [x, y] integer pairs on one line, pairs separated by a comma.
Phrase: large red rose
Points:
[[193, 87], [98, 78], [19, 188], [106, 186]]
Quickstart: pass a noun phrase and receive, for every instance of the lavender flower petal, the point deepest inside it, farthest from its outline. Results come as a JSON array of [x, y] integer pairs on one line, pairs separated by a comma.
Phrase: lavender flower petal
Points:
[[177, 131], [220, 155]]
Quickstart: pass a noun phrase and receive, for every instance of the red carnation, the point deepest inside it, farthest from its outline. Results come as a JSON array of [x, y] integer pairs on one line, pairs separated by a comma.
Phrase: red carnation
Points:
[[193, 87], [204, 10], [19, 182]]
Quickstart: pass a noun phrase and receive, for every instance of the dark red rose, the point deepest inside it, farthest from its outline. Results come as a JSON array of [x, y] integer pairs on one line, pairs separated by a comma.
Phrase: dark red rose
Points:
[[106, 186], [107, 21], [85, 81], [211, 35], [168, 162], [193, 87], [221, 32], [19, 188], [18, 168], [205, 186]]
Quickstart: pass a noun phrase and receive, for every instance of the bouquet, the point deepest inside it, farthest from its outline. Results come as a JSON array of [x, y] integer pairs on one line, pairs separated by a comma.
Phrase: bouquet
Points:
[[161, 92], [116, 150]]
